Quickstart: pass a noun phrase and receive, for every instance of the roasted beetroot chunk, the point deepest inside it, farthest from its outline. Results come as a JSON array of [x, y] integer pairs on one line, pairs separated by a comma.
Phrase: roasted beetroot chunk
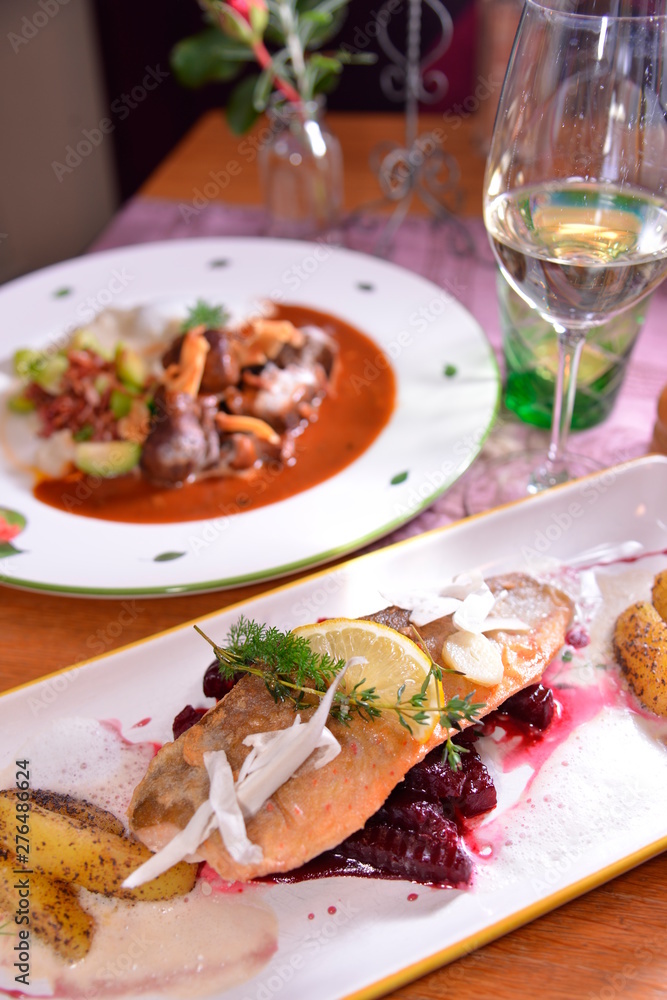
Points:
[[464, 793], [478, 794], [419, 857], [406, 809], [434, 776], [415, 835], [534, 706], [186, 719], [216, 686]]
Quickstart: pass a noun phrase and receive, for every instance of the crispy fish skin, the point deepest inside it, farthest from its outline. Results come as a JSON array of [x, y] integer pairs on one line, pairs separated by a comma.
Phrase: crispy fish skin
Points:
[[316, 809]]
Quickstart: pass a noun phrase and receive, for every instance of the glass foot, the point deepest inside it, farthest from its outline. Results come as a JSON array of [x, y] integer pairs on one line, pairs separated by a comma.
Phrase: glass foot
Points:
[[520, 475]]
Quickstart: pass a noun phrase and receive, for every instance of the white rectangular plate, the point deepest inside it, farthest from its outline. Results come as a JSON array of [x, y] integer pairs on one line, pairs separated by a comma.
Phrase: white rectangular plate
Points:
[[569, 839]]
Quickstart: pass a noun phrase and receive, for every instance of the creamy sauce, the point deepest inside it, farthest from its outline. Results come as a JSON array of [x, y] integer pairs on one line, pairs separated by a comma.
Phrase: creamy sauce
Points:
[[348, 421], [595, 774], [192, 946], [200, 944]]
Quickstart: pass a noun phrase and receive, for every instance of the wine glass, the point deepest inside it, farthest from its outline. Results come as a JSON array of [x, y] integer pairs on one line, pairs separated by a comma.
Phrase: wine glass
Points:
[[575, 199]]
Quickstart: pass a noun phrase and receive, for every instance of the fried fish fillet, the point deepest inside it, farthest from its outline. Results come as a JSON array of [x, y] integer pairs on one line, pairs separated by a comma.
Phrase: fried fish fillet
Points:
[[317, 809]]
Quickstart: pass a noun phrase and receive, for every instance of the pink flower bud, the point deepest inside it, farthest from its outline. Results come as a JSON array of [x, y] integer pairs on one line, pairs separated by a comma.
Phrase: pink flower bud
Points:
[[245, 20], [241, 7]]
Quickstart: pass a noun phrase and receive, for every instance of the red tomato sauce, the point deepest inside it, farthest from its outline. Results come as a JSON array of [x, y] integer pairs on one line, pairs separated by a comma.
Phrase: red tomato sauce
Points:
[[352, 415]]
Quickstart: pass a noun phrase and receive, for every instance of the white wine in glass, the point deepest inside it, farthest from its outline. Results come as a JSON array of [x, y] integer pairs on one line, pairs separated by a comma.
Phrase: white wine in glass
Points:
[[575, 199]]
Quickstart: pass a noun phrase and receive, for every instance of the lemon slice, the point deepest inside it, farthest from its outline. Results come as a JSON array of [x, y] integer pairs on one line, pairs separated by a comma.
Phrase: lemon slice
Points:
[[393, 660]]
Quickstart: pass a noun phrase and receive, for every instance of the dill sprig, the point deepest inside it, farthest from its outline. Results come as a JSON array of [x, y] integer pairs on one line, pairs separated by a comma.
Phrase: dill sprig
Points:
[[295, 673], [204, 314]]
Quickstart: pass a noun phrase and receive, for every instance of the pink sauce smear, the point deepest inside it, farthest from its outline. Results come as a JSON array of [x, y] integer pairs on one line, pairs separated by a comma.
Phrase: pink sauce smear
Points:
[[116, 726], [575, 706]]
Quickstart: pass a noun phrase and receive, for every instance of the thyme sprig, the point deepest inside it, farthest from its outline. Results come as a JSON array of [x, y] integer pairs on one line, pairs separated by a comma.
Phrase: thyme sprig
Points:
[[293, 672]]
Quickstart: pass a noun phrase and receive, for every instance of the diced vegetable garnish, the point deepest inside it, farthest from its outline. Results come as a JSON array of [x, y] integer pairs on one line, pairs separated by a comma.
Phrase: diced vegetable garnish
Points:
[[107, 459], [120, 404], [84, 433], [131, 367], [45, 370], [85, 340], [50, 378], [28, 363], [102, 383], [20, 404]]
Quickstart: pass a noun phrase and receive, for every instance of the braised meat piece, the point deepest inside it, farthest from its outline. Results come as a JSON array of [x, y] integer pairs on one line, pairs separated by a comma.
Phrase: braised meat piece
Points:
[[283, 397], [182, 439], [222, 362], [226, 405], [318, 349]]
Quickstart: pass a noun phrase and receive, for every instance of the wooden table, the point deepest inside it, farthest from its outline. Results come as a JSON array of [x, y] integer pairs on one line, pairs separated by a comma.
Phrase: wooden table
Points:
[[609, 944]]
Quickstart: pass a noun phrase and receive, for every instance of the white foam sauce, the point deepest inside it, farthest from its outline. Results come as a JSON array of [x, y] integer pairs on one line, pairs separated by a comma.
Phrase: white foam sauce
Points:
[[606, 780], [87, 758], [192, 946]]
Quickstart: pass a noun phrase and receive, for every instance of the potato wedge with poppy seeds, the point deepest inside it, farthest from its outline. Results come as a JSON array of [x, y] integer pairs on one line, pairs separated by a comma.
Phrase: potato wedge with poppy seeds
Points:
[[80, 809], [56, 916], [659, 594], [640, 646], [75, 850]]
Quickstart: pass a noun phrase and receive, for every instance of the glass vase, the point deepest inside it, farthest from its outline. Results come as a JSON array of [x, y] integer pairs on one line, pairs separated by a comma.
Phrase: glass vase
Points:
[[301, 171]]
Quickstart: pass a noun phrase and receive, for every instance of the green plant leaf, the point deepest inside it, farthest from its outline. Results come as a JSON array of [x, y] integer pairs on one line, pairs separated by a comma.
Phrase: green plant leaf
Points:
[[263, 88], [312, 25], [7, 549], [328, 64], [168, 556], [356, 58], [274, 29], [322, 73], [317, 17], [326, 83], [240, 110], [212, 317], [207, 57], [319, 34], [321, 6]]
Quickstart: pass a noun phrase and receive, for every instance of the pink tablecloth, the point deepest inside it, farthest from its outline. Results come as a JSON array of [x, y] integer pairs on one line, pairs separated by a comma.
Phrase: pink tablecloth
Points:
[[460, 261]]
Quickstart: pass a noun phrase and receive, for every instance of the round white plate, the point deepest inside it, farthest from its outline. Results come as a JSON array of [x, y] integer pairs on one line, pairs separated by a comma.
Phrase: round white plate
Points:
[[448, 390]]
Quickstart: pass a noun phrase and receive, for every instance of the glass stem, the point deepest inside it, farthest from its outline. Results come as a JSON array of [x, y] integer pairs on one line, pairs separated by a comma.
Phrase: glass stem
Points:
[[570, 344]]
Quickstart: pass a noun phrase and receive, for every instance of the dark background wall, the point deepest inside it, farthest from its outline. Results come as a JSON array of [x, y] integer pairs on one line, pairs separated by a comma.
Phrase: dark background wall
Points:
[[135, 36]]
